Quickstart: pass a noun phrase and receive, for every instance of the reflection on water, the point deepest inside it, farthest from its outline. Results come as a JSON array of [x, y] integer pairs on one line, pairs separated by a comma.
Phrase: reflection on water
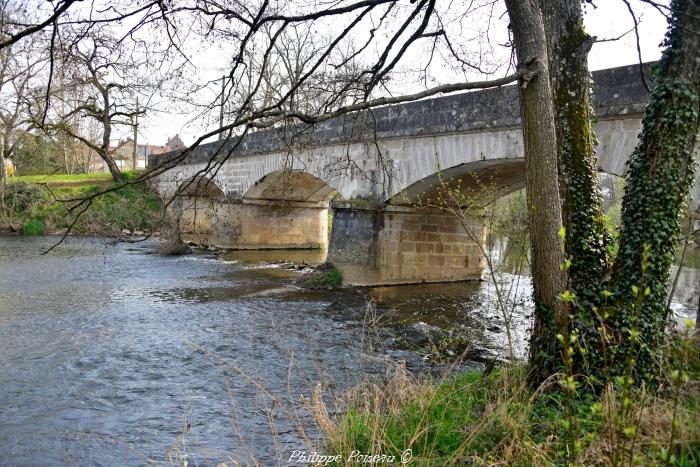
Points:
[[508, 256], [512, 257], [108, 352], [469, 307]]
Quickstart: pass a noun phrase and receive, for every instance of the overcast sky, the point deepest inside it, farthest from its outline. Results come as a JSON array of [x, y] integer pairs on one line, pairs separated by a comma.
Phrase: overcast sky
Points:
[[609, 20]]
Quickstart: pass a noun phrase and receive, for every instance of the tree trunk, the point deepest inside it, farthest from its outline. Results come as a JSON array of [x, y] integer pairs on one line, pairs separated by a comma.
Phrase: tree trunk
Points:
[[107, 134], [568, 45], [3, 170], [117, 175], [3, 175], [543, 202], [660, 174]]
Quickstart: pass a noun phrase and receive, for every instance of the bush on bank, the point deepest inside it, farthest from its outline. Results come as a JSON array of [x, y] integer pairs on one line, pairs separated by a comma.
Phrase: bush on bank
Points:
[[497, 419], [324, 276], [33, 209]]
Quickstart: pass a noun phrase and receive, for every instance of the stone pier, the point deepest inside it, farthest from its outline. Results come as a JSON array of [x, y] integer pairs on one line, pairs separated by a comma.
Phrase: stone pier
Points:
[[194, 215], [255, 225], [270, 225], [375, 244]]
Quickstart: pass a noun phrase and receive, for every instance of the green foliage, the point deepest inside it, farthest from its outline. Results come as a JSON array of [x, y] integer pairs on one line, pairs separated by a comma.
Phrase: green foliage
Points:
[[324, 276], [34, 155], [20, 196], [660, 174], [499, 420], [33, 226], [130, 208], [510, 214]]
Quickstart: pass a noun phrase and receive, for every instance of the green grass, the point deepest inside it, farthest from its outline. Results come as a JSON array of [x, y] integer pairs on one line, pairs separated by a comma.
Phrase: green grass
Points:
[[98, 177], [438, 421], [131, 208], [63, 178], [468, 419], [33, 226]]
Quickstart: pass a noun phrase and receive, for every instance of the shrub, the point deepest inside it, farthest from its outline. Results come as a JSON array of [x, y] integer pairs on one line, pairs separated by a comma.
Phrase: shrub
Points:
[[33, 226], [20, 197], [323, 277]]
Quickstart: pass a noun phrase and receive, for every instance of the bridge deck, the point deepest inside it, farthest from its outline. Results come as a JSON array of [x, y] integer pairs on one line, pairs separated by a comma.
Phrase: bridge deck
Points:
[[616, 91]]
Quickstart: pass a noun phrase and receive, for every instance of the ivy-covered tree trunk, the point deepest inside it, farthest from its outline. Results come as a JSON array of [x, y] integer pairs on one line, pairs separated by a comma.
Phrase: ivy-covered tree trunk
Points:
[[660, 174], [543, 202], [568, 45]]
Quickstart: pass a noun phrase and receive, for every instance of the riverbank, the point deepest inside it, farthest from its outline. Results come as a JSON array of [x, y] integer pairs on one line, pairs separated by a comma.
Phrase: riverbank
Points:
[[495, 418], [37, 205]]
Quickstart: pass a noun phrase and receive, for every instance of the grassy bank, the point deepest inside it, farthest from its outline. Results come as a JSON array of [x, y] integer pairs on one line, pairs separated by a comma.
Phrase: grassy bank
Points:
[[496, 419], [40, 204], [56, 179]]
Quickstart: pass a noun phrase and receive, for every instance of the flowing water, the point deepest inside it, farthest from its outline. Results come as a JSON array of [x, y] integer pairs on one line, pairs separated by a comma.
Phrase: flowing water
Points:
[[113, 355]]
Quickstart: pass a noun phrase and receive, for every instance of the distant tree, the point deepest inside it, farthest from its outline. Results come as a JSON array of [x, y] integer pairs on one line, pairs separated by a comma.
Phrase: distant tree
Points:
[[99, 82], [35, 155], [16, 30], [21, 66], [100, 79]]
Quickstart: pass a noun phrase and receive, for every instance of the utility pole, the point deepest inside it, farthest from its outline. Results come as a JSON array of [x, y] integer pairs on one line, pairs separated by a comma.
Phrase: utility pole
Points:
[[221, 109], [3, 171], [134, 155]]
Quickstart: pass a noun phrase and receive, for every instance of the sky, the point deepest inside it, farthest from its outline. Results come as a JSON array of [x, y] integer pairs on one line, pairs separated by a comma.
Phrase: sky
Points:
[[609, 19]]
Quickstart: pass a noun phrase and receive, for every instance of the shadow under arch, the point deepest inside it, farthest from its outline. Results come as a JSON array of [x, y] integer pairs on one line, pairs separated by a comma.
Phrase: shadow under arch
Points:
[[433, 230], [200, 186], [292, 186], [485, 179]]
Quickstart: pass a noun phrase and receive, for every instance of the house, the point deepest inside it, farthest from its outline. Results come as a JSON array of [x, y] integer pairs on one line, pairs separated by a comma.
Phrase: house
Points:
[[123, 153]]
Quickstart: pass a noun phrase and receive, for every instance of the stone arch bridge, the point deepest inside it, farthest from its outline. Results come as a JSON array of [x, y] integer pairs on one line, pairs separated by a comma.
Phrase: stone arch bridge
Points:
[[376, 170]]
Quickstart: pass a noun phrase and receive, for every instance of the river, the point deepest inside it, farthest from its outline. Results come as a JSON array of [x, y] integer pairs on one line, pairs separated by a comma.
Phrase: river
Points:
[[114, 355]]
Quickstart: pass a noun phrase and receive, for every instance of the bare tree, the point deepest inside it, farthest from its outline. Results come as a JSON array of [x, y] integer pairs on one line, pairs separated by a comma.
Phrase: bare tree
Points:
[[99, 78], [20, 68]]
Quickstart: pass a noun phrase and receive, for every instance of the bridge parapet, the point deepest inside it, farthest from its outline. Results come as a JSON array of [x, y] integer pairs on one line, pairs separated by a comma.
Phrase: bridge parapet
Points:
[[616, 91]]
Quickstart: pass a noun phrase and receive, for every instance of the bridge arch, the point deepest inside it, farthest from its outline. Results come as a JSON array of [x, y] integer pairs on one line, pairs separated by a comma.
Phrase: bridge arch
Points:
[[482, 178], [284, 209], [295, 186], [200, 186]]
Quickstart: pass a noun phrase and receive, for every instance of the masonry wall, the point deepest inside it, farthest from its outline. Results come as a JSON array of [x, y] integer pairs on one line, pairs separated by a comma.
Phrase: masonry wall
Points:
[[400, 245], [269, 225], [196, 215]]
